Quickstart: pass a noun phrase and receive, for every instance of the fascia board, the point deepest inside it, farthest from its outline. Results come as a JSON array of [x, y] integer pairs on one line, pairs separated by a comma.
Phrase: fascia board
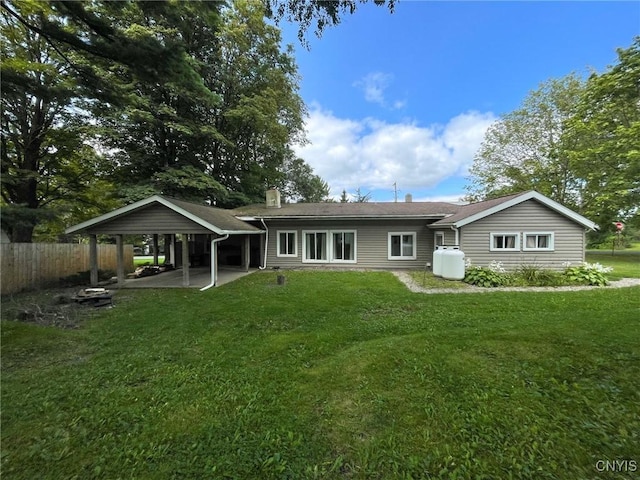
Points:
[[344, 217]]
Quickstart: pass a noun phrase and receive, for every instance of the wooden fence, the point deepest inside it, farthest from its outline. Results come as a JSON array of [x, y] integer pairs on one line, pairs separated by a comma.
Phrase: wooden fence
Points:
[[26, 266]]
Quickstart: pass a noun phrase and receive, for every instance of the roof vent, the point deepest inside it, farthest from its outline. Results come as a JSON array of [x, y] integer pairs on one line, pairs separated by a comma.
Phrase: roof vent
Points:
[[408, 198], [273, 198]]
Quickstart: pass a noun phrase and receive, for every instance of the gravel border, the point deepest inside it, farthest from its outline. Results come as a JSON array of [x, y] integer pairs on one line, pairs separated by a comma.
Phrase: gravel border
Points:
[[405, 278]]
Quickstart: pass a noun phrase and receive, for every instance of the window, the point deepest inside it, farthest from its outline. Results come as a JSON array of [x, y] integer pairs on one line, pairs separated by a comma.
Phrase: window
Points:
[[287, 244], [334, 246], [315, 247], [402, 246], [344, 247], [505, 242], [540, 241], [438, 239]]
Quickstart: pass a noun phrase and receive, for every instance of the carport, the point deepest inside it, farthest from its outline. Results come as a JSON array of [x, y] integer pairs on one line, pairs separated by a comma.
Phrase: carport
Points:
[[192, 235]]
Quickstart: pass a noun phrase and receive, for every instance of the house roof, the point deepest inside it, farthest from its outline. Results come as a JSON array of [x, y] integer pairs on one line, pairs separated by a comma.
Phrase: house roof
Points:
[[216, 220], [388, 210], [222, 222], [475, 211]]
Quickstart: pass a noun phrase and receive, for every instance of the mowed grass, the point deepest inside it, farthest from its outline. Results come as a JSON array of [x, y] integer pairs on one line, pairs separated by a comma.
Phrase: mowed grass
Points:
[[333, 375], [625, 263]]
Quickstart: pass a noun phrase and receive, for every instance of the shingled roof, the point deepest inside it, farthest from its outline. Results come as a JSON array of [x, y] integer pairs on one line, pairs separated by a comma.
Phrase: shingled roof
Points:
[[476, 211], [427, 210], [217, 220]]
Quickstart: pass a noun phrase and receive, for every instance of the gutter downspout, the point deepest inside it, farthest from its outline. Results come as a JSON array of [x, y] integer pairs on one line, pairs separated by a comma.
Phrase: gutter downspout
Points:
[[266, 244], [457, 235], [214, 253]]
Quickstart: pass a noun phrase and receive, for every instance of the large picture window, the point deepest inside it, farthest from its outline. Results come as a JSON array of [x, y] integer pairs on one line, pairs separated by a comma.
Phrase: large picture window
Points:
[[402, 246], [334, 246], [287, 243], [538, 241], [505, 242]]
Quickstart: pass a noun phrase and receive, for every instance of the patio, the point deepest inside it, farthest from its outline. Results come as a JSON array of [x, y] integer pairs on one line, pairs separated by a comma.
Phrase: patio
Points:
[[199, 277]]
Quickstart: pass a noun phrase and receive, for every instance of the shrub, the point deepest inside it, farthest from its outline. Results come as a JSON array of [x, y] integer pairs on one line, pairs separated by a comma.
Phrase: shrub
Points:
[[485, 277], [588, 274], [532, 275]]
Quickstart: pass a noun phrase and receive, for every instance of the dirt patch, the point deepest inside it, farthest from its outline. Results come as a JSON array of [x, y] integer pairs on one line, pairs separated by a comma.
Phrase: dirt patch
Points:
[[55, 308]]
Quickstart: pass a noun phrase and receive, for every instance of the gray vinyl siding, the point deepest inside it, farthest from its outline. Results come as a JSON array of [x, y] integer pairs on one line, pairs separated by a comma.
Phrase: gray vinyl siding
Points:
[[371, 242], [154, 219], [529, 216]]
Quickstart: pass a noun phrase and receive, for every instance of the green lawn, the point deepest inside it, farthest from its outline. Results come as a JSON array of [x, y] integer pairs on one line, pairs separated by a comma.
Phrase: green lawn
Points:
[[625, 263], [333, 375]]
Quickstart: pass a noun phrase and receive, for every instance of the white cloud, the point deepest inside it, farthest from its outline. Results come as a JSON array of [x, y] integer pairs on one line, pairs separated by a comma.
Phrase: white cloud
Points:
[[374, 86], [373, 154]]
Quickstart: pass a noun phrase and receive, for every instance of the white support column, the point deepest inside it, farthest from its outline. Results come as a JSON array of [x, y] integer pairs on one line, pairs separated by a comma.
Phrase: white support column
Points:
[[120, 253], [185, 260], [93, 260]]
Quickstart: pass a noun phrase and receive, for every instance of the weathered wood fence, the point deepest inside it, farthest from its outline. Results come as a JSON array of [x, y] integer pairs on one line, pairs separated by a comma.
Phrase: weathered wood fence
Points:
[[31, 265]]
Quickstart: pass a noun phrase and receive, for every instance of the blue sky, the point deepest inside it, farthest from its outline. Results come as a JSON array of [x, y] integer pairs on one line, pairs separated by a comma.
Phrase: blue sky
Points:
[[406, 97]]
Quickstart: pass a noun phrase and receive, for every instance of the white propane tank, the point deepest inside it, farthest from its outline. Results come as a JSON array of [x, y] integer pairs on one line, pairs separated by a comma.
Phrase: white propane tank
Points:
[[437, 260], [453, 264]]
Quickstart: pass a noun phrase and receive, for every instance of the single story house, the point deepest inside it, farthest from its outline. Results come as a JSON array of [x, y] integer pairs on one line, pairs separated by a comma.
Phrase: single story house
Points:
[[524, 228]]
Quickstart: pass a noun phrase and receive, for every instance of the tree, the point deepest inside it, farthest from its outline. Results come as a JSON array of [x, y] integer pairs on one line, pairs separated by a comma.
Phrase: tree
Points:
[[59, 60], [45, 156], [576, 142], [360, 197], [260, 114], [159, 138], [602, 143], [523, 151], [301, 185], [324, 14]]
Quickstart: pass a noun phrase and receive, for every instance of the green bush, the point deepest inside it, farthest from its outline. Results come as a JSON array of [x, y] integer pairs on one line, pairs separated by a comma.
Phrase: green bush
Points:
[[588, 274], [485, 277]]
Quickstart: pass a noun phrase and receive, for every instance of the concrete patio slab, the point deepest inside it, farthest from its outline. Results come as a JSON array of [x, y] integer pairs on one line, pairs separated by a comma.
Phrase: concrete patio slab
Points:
[[198, 278]]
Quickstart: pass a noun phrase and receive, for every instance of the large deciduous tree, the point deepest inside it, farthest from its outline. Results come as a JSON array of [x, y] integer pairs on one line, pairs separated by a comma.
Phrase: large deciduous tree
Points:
[[576, 142], [523, 151], [45, 160], [602, 143]]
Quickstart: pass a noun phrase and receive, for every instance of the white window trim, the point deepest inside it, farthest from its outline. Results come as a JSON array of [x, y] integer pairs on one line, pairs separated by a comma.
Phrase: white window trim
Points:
[[304, 246], [355, 247], [435, 238], [329, 252], [516, 248], [402, 257], [550, 248], [295, 243]]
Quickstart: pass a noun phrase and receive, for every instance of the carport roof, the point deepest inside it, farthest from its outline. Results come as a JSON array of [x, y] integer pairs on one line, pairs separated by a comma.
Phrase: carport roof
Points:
[[216, 220]]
